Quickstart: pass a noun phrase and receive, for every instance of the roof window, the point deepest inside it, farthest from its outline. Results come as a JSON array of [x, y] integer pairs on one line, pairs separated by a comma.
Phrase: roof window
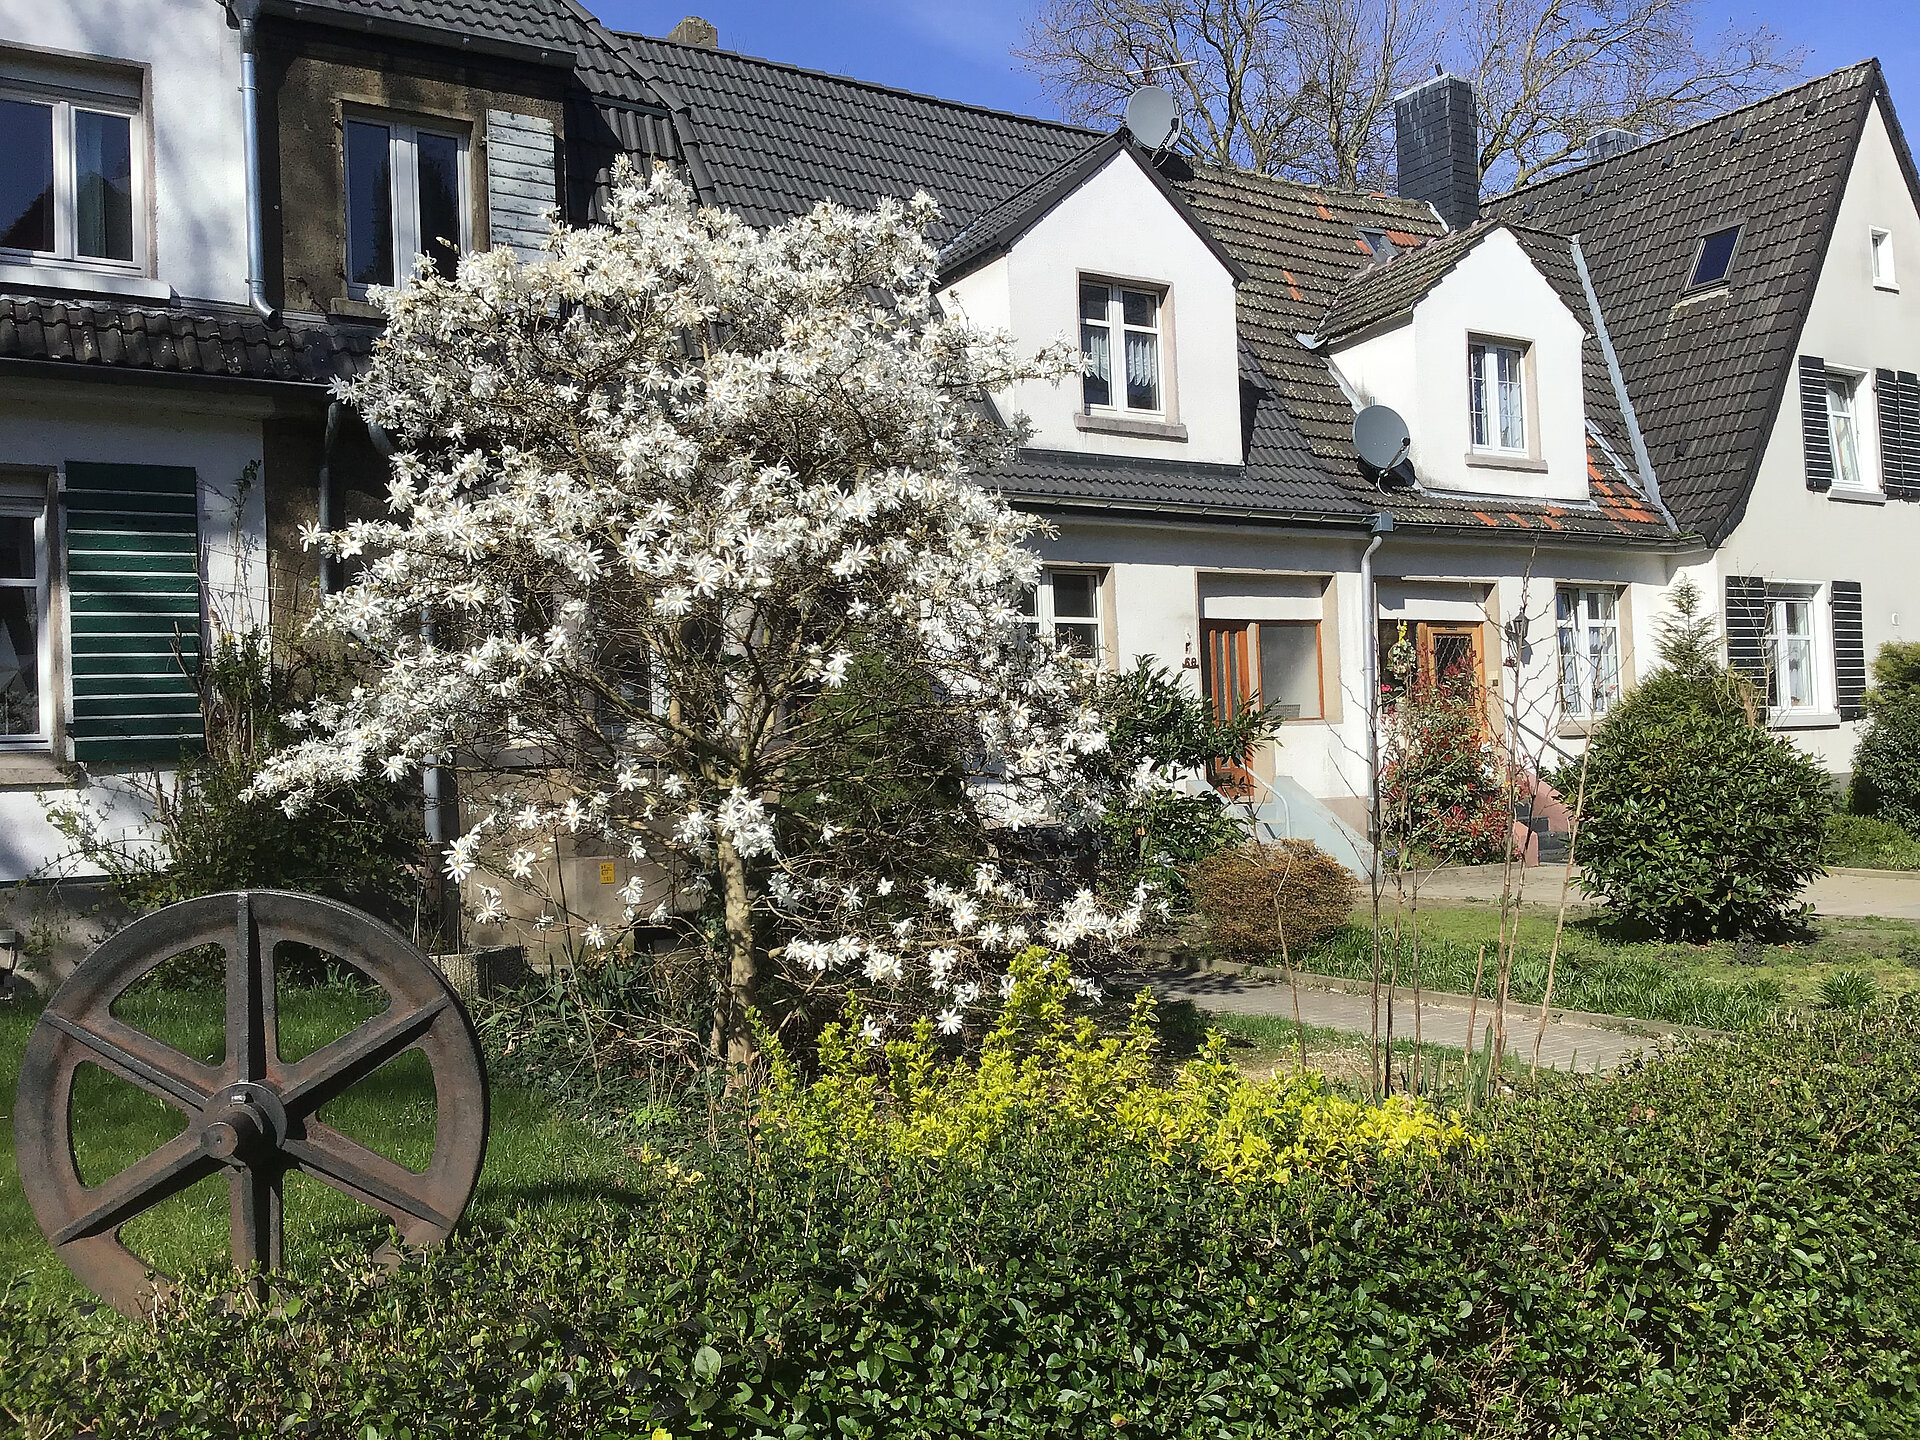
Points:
[[1715, 257], [1378, 244]]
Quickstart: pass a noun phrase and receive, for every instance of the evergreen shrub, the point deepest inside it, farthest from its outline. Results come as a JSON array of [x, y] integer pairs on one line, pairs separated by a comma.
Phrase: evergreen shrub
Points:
[[1699, 822], [1886, 765], [1717, 1244]]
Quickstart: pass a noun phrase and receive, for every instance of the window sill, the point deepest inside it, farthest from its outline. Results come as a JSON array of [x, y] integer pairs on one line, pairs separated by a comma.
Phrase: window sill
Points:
[[1492, 460], [1886, 285], [355, 310], [1120, 425], [1856, 497], [27, 766], [1574, 729], [81, 281], [1804, 720]]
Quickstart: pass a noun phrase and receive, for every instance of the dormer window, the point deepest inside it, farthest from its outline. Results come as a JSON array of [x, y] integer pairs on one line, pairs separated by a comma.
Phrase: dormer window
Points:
[[407, 195], [1125, 318], [1497, 395]]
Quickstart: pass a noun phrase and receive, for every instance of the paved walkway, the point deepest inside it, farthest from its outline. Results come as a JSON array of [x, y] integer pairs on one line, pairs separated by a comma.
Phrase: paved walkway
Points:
[[1569, 1044], [1890, 894]]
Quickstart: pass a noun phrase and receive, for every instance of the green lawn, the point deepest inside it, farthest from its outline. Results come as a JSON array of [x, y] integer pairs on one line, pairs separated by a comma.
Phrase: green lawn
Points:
[[535, 1157], [1721, 985]]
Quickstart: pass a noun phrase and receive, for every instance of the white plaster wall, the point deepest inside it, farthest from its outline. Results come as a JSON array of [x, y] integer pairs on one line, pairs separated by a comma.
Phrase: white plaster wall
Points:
[[1419, 367], [198, 192], [1118, 226], [1790, 533], [46, 426]]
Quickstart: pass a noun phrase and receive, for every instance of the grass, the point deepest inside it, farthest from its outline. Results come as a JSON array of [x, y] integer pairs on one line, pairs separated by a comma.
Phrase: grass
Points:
[[1869, 843], [535, 1157], [1722, 986]]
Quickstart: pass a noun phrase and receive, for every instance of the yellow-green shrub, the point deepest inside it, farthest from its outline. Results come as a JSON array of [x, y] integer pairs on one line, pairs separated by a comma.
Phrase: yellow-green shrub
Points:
[[903, 1099]]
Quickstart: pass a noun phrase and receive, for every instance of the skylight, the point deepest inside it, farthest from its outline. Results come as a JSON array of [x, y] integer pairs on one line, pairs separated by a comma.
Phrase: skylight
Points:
[[1715, 259], [1377, 242]]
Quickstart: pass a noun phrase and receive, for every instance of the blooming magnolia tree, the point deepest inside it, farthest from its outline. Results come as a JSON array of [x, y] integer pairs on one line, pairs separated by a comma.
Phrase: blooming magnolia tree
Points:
[[685, 563]]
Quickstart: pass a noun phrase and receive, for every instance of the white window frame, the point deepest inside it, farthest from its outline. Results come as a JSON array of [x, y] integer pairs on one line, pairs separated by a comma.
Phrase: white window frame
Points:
[[1042, 620], [1880, 258], [64, 99], [28, 498], [1589, 702], [1117, 330], [403, 162], [1778, 651], [1483, 366], [1862, 415]]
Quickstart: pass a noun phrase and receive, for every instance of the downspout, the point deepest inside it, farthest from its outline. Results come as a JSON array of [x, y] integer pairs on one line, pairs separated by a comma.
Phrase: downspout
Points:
[[247, 12], [1370, 674], [1643, 462], [336, 416]]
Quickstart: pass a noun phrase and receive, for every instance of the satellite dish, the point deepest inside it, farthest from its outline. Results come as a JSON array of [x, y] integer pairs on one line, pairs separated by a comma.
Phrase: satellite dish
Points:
[[1153, 115], [1381, 437]]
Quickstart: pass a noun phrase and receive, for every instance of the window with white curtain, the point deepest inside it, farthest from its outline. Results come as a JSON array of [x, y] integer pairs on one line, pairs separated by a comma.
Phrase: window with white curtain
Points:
[[1589, 624], [24, 652], [1792, 682], [1122, 321], [1497, 394]]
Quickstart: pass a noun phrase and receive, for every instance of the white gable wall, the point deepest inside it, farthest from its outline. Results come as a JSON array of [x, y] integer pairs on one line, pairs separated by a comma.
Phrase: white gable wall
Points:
[[1793, 535], [196, 225], [1119, 226], [1419, 367]]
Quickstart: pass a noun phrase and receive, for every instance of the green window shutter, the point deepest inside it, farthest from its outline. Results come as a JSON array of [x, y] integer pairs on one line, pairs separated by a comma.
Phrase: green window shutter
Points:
[[133, 588]]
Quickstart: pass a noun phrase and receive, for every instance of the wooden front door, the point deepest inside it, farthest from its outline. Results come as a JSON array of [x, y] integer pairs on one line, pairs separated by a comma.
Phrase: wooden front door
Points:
[[1231, 678]]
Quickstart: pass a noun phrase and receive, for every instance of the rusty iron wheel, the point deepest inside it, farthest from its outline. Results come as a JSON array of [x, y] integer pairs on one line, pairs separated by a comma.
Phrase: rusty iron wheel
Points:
[[254, 1116]]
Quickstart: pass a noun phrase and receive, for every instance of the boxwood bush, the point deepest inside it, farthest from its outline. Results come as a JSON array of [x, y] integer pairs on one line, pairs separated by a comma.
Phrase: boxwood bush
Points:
[[1886, 765], [1720, 1244]]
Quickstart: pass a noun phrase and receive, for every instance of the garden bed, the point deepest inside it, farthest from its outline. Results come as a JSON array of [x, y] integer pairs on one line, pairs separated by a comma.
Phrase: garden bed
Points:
[[1720, 1243]]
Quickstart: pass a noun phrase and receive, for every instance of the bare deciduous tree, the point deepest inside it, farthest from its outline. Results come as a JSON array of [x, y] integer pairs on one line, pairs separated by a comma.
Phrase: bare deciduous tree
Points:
[[1304, 88], [1552, 72]]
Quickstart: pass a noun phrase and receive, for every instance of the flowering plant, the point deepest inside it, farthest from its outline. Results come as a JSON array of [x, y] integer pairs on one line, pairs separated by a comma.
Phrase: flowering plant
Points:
[[685, 558]]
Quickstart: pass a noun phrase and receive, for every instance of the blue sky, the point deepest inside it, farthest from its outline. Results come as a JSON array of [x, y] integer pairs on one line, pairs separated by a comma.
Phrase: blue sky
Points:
[[959, 48]]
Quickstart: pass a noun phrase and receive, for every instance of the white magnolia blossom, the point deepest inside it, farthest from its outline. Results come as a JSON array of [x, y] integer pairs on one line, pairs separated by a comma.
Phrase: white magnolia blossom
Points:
[[659, 499]]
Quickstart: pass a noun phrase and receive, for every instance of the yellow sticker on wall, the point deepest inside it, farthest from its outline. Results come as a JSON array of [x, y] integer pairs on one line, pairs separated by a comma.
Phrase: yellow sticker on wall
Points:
[[606, 872]]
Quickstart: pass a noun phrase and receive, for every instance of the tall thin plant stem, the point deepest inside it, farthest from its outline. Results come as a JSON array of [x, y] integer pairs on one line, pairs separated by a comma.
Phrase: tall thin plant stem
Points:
[[1560, 920]]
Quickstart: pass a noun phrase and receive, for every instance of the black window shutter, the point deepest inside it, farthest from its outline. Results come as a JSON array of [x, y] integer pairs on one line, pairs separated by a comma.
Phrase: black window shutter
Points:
[[1813, 422], [1906, 390], [133, 586], [1893, 440], [1849, 648], [1747, 625]]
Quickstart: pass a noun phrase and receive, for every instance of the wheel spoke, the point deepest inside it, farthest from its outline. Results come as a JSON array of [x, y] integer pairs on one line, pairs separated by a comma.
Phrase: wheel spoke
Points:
[[141, 1186], [255, 1236], [135, 1056], [362, 1174], [252, 1021], [334, 1069]]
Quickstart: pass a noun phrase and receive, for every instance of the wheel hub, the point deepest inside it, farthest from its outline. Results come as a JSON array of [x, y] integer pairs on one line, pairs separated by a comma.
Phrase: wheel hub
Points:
[[243, 1125]]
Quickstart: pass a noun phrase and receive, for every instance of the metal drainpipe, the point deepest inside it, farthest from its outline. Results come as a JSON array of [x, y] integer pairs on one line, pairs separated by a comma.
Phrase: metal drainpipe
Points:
[[1370, 672], [336, 416], [247, 12]]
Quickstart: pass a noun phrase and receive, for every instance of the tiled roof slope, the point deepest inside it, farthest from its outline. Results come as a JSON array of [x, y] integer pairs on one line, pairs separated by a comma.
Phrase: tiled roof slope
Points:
[[1301, 247], [228, 342], [539, 24], [775, 139], [1706, 374]]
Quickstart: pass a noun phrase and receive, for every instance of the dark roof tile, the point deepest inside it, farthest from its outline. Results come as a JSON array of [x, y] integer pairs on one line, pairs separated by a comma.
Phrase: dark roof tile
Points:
[[213, 341]]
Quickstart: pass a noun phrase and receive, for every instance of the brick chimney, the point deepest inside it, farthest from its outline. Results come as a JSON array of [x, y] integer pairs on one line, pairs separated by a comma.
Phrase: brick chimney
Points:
[[695, 31], [1436, 129]]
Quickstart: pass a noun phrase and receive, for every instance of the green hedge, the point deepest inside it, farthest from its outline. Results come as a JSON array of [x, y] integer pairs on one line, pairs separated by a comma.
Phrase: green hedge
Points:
[[1723, 1244]]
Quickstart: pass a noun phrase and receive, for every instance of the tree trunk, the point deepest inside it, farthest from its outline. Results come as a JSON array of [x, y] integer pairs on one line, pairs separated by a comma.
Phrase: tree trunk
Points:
[[732, 1037]]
